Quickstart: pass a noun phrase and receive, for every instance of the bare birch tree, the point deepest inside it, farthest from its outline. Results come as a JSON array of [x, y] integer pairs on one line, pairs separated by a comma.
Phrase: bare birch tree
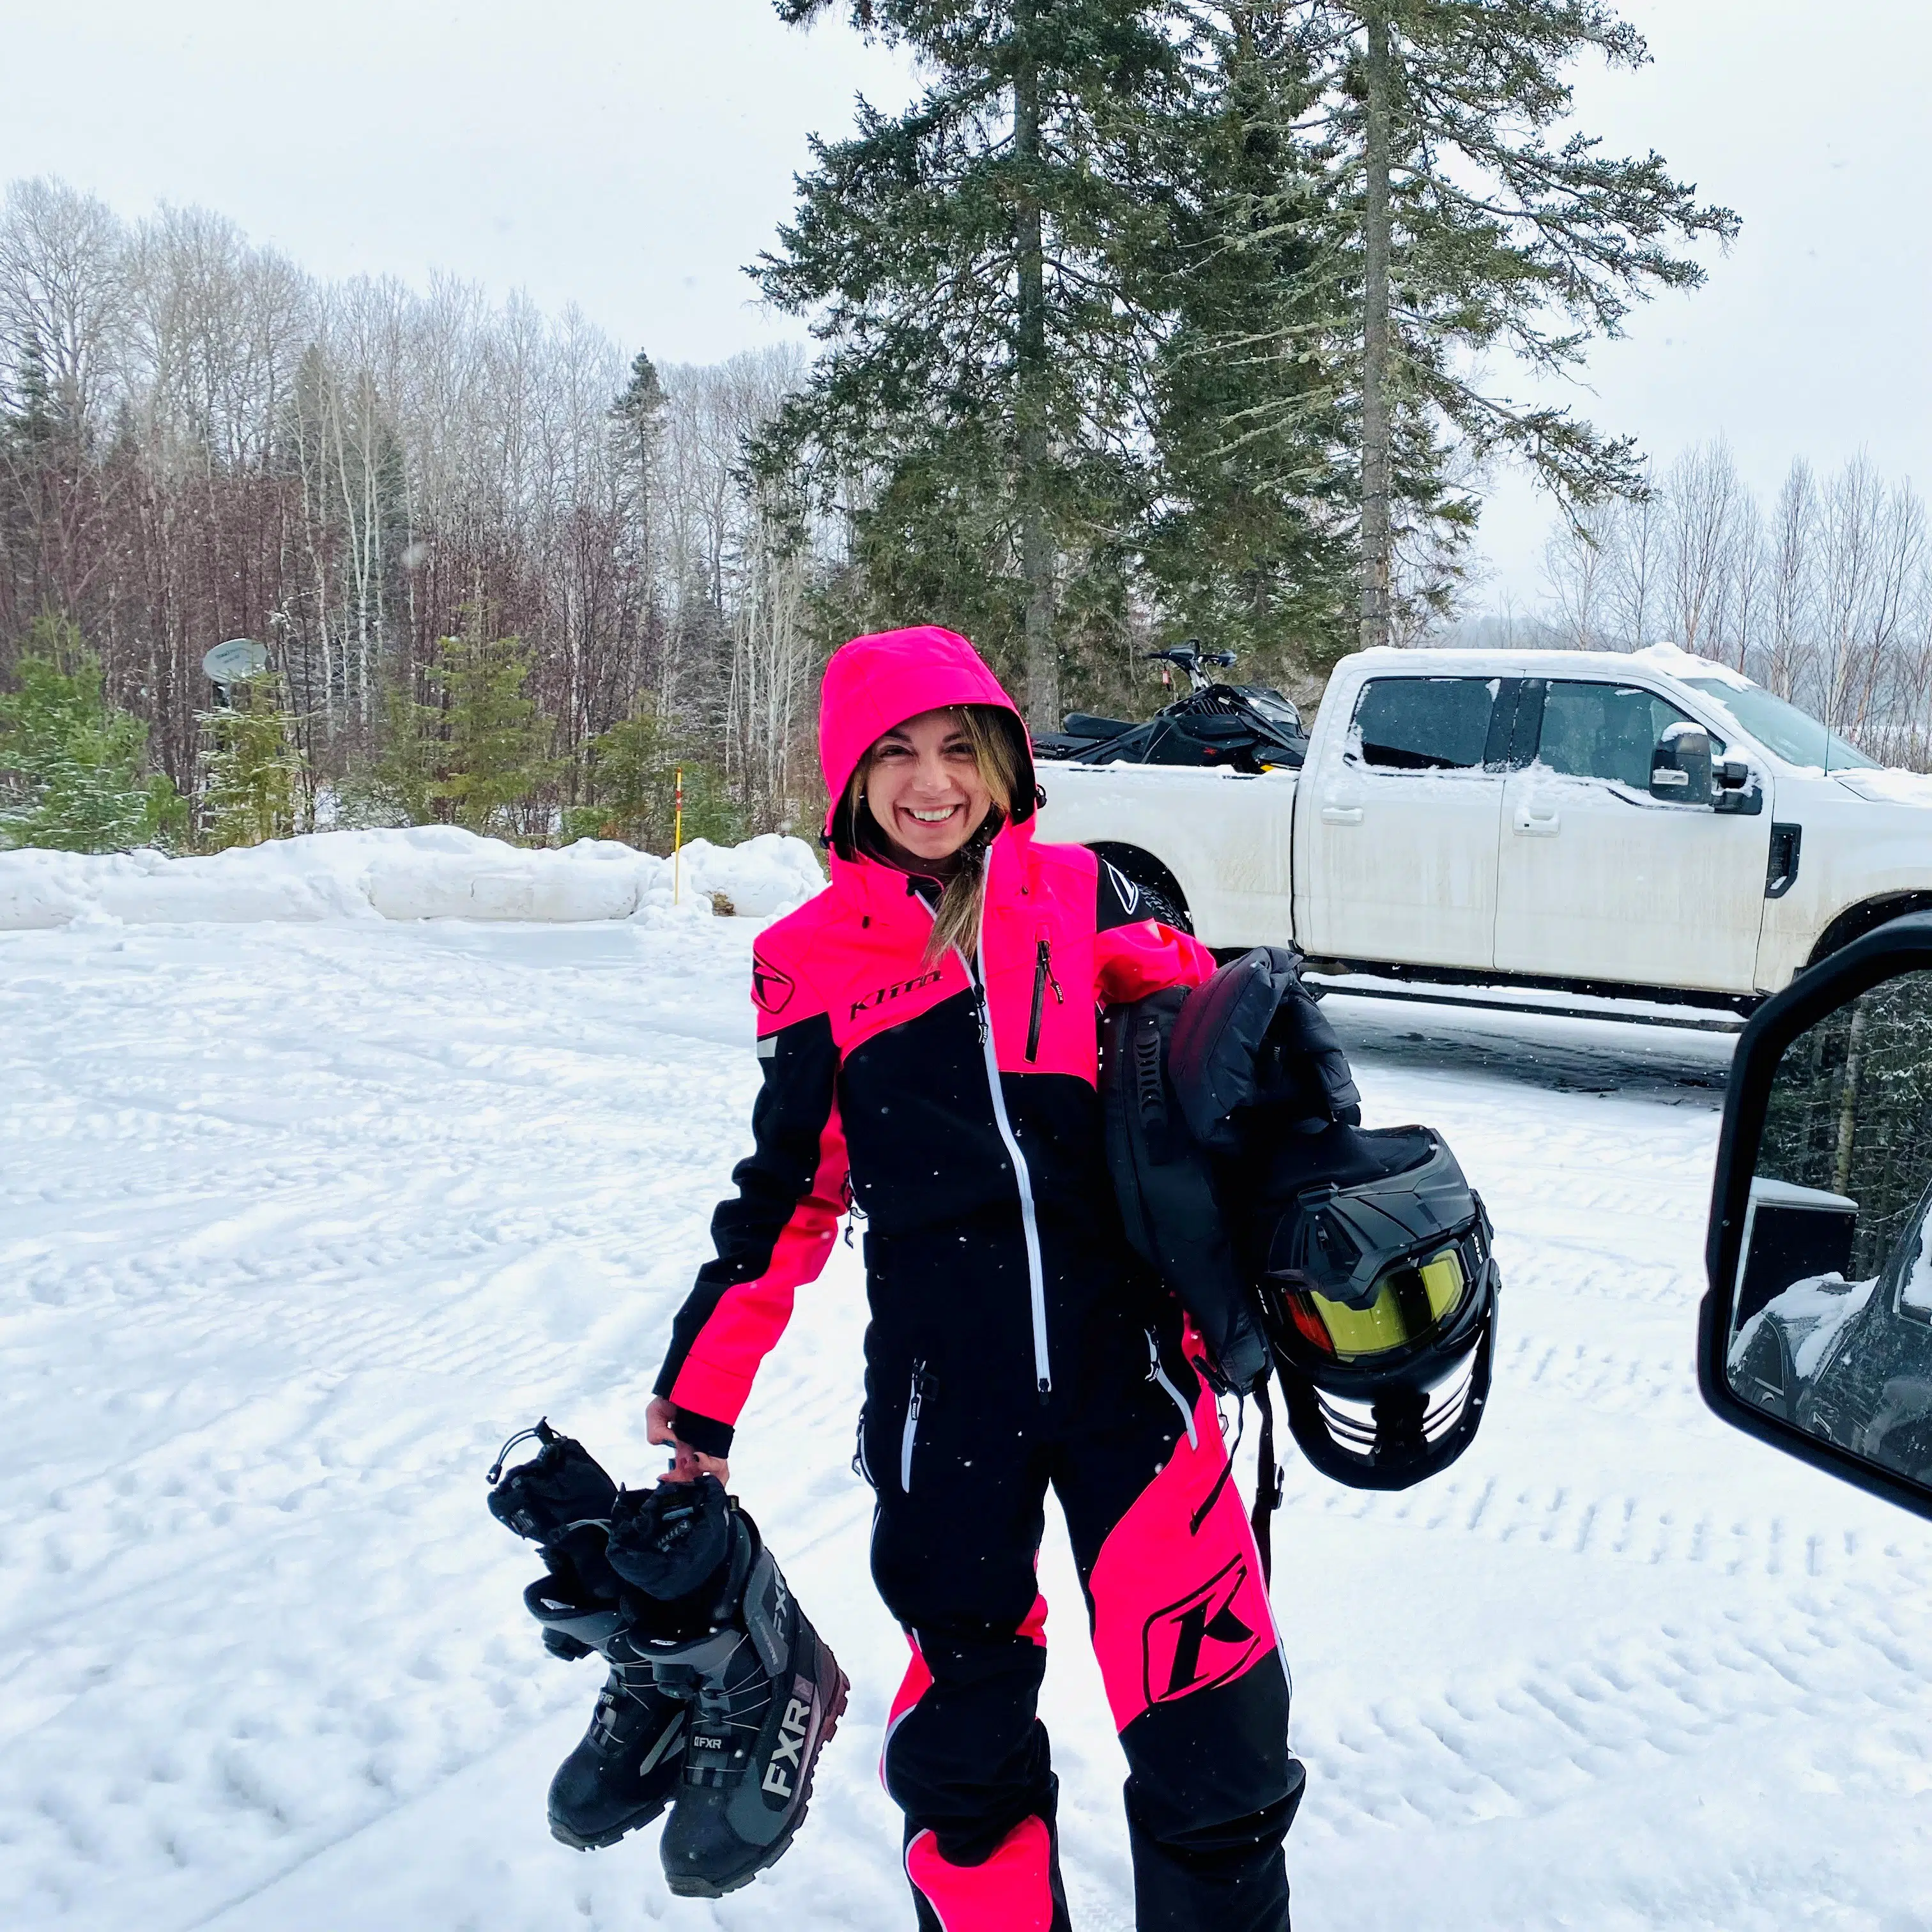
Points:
[[1827, 602]]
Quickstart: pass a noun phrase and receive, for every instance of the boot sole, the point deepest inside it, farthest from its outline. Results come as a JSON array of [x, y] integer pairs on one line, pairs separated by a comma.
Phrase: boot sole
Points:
[[687, 1886], [597, 1841]]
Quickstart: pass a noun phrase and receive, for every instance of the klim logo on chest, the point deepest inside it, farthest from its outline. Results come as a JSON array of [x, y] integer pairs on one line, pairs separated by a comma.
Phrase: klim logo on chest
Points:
[[886, 995]]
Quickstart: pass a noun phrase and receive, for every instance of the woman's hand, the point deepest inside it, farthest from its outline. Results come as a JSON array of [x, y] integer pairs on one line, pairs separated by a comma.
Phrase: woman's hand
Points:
[[687, 1464]]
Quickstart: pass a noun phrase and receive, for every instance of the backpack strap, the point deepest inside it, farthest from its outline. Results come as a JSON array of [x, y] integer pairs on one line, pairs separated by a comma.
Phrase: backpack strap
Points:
[[1267, 1484]]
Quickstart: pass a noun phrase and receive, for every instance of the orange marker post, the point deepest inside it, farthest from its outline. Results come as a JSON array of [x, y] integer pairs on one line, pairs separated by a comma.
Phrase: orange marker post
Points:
[[677, 837]]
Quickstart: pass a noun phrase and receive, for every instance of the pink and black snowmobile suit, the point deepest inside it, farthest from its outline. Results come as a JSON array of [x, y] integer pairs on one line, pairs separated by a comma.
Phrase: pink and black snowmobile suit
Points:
[[1015, 1343]]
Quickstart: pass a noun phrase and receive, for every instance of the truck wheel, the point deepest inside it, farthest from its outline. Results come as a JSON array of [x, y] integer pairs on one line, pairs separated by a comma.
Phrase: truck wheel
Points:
[[1859, 920], [1159, 888]]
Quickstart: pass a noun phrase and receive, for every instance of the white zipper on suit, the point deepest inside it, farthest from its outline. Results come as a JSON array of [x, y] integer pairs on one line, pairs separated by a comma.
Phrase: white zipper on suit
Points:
[[1156, 1373], [1029, 1220], [909, 1434]]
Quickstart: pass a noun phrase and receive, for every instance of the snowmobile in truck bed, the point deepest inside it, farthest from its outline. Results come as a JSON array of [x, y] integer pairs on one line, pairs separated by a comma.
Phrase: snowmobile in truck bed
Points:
[[1241, 727]]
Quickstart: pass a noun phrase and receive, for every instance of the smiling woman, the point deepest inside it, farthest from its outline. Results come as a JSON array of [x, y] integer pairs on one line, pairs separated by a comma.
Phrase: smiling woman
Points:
[[930, 796]]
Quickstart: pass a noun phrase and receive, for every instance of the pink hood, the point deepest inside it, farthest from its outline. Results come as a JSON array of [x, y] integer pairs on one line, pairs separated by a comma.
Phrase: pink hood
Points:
[[874, 683]]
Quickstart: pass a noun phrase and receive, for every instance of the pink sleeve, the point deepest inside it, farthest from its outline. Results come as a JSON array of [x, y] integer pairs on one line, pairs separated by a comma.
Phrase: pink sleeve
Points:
[[1132, 961]]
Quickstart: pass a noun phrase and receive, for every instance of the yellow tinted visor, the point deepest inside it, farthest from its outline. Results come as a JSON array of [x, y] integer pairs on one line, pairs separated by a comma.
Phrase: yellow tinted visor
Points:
[[1408, 1304]]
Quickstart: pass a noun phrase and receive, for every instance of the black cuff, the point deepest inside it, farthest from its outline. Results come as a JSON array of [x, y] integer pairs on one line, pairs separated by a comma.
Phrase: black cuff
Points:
[[699, 1432]]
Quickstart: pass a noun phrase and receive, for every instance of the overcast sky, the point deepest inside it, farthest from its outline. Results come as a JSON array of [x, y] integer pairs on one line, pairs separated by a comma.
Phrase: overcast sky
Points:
[[630, 155]]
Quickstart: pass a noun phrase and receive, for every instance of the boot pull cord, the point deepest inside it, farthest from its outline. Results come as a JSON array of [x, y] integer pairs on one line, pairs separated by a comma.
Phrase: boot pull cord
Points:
[[542, 1432]]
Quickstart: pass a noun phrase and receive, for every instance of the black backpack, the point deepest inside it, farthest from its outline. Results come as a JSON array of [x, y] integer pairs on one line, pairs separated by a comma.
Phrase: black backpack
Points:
[[1184, 1073], [1232, 1116]]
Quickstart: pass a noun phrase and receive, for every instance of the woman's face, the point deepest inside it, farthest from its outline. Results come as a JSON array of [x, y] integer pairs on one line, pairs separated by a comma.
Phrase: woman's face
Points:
[[924, 788]]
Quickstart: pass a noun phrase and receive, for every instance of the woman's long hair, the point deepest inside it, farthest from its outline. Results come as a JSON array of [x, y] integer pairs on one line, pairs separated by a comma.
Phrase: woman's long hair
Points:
[[963, 882]]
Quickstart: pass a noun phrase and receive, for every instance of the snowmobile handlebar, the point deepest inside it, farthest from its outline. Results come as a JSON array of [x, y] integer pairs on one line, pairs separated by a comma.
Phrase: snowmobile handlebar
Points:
[[1190, 657]]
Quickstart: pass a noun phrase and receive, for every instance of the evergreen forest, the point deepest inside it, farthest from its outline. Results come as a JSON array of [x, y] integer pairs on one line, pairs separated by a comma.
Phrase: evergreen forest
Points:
[[1143, 320]]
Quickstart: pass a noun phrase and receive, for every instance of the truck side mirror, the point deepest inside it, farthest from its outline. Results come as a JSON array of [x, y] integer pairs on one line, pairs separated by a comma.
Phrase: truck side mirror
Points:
[[1816, 1333], [1739, 794], [1680, 766]]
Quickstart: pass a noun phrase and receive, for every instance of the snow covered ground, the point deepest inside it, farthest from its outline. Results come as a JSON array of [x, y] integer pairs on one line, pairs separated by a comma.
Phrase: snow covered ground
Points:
[[299, 1221]]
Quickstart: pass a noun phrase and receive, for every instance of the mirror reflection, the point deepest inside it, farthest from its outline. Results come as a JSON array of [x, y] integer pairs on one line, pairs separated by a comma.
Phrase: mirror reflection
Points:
[[1832, 1327]]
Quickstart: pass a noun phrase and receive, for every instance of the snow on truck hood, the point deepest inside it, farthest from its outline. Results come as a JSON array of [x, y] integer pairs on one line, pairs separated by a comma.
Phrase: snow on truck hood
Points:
[[1888, 787]]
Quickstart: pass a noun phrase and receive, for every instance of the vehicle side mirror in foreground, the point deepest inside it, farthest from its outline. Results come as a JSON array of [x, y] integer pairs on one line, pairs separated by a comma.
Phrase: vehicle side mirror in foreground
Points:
[[1680, 767], [1817, 1332]]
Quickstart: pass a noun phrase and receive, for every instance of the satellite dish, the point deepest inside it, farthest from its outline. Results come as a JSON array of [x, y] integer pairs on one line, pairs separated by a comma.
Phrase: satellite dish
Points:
[[237, 658]]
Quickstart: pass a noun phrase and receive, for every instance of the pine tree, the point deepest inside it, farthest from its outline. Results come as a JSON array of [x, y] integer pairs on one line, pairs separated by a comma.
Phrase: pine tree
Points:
[[36, 418], [72, 764], [968, 264], [1248, 540], [1464, 229], [496, 753], [631, 779], [398, 786], [638, 412], [253, 774]]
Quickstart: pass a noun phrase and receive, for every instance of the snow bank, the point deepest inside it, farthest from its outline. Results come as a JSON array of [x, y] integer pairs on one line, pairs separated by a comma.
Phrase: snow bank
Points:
[[765, 875], [437, 872]]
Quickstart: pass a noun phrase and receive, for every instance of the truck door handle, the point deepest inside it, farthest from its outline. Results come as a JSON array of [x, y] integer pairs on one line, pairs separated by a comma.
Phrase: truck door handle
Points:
[[1538, 821], [1341, 814]]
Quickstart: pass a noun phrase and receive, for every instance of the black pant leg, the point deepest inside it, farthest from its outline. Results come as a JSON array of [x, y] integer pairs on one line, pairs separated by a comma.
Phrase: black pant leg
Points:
[[967, 1759], [1189, 1651]]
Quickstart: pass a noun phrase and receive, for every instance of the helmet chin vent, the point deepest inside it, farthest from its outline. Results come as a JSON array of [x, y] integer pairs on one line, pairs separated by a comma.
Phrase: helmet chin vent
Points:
[[1362, 1427]]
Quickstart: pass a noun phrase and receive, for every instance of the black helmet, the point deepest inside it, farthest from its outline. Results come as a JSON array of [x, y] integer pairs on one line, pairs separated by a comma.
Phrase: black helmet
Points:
[[1372, 1255]]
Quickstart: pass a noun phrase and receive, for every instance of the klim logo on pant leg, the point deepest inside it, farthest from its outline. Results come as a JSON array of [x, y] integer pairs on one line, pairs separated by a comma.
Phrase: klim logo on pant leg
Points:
[[1201, 1640]]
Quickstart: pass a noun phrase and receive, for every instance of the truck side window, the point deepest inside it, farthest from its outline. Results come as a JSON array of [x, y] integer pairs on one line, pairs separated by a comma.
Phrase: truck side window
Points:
[[1425, 723], [1605, 731]]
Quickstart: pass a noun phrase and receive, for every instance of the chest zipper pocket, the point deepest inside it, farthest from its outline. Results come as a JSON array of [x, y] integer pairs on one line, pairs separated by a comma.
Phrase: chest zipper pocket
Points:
[[1043, 978], [1155, 1373], [922, 1386]]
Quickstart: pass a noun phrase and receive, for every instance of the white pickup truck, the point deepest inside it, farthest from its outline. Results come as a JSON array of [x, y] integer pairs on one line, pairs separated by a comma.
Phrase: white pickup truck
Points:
[[1580, 820]]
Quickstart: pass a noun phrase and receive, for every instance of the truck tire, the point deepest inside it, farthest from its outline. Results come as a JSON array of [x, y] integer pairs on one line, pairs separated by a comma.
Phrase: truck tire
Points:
[[1159, 888], [1858, 920]]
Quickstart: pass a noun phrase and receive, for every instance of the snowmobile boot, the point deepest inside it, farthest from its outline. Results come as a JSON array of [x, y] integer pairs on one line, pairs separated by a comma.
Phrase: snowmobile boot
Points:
[[720, 1628], [625, 1770]]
